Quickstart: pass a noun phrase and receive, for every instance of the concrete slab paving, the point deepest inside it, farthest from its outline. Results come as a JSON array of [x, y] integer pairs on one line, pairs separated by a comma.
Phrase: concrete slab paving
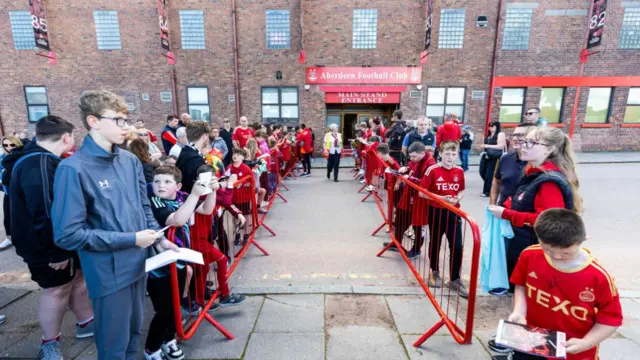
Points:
[[414, 314], [291, 314], [630, 308], [442, 347], [8, 295], [285, 346], [619, 349], [363, 343], [208, 343], [22, 315], [360, 310]]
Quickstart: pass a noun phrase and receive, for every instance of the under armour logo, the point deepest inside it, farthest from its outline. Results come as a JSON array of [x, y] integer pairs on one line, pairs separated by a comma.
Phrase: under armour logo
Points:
[[103, 184]]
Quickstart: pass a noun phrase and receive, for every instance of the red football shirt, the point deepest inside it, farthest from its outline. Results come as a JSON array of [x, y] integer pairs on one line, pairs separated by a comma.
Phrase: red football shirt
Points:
[[442, 181], [242, 136], [572, 302], [244, 193]]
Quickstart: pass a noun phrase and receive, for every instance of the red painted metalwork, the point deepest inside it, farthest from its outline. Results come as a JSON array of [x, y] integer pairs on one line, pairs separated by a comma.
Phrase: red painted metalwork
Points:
[[567, 81], [236, 76], [390, 89], [494, 65]]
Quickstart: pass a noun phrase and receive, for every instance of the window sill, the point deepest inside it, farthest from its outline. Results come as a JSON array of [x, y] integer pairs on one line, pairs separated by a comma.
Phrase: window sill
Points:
[[509, 125], [596, 126], [630, 125], [558, 125]]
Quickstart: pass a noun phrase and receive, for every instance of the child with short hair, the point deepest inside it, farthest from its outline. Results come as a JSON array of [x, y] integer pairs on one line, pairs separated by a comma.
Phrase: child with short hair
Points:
[[560, 286], [272, 175], [242, 196], [446, 181]]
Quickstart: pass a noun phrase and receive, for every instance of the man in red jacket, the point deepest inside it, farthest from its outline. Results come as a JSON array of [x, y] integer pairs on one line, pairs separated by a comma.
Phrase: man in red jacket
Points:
[[448, 131], [305, 142]]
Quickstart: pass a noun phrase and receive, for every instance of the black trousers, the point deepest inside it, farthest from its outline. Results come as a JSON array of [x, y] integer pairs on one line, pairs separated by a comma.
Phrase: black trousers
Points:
[[516, 246], [306, 162], [445, 222], [398, 155], [333, 164], [163, 327], [403, 221], [488, 175], [7, 214]]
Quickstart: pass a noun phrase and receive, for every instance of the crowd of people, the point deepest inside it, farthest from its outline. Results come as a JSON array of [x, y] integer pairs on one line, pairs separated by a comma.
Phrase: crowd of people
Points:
[[532, 185], [85, 225]]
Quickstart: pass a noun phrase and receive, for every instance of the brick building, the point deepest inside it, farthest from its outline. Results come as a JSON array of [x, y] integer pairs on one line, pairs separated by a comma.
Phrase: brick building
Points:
[[362, 60]]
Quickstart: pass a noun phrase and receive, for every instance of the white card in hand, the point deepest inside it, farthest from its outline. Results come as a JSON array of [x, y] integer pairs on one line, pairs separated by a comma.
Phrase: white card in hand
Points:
[[169, 256], [205, 179]]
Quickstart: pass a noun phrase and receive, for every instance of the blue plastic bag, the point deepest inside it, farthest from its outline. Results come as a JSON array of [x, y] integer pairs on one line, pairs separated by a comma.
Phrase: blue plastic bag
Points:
[[493, 256]]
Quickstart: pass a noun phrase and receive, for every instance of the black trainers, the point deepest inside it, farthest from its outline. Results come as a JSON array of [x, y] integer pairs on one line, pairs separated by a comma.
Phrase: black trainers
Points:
[[190, 308], [232, 300], [391, 248], [172, 351], [411, 254]]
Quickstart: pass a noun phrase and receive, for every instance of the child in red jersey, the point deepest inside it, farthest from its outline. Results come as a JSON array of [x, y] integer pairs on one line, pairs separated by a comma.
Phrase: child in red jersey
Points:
[[560, 286], [407, 213], [242, 196], [373, 168], [446, 182]]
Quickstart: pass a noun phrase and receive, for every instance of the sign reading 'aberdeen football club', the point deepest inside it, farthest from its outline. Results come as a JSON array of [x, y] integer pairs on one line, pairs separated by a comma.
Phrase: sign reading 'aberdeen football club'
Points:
[[362, 98], [362, 75], [39, 23], [596, 23], [163, 20]]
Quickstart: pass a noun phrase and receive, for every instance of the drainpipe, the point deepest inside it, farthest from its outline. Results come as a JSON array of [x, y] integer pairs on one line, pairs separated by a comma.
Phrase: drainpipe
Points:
[[584, 55], [174, 86], [236, 77], [493, 67]]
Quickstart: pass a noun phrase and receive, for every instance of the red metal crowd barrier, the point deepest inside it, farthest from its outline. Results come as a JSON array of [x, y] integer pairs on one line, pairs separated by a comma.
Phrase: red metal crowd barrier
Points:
[[233, 239], [417, 222]]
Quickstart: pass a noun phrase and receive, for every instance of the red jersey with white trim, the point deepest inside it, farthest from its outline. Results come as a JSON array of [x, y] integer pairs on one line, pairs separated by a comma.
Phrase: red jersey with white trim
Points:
[[572, 301], [242, 136], [442, 181], [244, 193]]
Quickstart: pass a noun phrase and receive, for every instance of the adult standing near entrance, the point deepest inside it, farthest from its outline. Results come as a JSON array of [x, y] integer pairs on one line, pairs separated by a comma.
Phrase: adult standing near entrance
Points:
[[9, 144], [168, 134], [422, 134], [333, 148], [550, 181], [225, 133], [395, 137], [494, 146], [305, 143], [448, 131], [242, 134]]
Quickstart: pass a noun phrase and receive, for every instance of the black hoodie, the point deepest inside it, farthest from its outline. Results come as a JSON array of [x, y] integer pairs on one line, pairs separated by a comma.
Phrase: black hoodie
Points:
[[188, 162], [31, 196]]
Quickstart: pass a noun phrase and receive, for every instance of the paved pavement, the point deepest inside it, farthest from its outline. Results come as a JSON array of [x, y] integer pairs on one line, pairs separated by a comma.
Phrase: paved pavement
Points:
[[322, 294]]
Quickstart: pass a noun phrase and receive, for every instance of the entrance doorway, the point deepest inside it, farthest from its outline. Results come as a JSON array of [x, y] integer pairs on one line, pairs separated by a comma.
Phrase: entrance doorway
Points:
[[349, 122]]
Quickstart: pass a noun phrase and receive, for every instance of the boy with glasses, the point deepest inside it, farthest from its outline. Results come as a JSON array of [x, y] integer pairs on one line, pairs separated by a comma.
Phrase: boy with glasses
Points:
[[101, 210]]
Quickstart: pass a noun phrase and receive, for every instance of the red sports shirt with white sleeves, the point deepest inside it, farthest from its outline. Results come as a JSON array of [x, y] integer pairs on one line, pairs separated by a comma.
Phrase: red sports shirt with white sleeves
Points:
[[569, 301], [442, 181], [242, 136]]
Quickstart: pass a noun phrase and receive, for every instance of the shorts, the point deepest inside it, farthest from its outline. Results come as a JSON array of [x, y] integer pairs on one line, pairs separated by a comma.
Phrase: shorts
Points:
[[46, 277], [245, 207]]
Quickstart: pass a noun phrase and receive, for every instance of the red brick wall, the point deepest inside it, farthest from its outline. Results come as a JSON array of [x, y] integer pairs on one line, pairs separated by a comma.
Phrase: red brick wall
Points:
[[325, 30]]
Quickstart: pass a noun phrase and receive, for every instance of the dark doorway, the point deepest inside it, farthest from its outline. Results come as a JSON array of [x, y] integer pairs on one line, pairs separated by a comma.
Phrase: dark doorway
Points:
[[349, 127]]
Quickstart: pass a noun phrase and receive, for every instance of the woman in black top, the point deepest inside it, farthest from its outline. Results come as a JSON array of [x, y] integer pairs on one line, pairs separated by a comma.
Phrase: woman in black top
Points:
[[494, 146]]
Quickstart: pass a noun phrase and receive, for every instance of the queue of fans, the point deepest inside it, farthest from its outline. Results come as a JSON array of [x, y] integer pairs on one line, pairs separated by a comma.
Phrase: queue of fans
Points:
[[85, 225], [534, 189]]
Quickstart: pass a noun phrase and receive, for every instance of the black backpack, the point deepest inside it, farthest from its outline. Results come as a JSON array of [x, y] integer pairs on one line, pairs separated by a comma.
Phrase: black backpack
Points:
[[397, 136]]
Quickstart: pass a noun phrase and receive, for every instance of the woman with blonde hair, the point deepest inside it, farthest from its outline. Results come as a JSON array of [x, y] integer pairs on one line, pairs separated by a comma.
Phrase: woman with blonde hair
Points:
[[9, 144], [549, 181], [333, 148], [253, 152]]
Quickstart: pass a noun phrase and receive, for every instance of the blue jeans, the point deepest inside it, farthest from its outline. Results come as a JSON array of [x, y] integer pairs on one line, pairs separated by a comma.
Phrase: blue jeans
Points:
[[464, 158]]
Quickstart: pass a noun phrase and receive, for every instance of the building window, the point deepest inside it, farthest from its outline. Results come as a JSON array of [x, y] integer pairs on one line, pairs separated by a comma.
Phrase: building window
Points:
[[198, 103], [37, 103], [598, 105], [517, 27], [512, 105], [632, 114], [192, 29], [280, 105], [23, 38], [442, 100], [365, 28], [551, 104], [451, 28], [278, 29], [107, 30], [630, 31]]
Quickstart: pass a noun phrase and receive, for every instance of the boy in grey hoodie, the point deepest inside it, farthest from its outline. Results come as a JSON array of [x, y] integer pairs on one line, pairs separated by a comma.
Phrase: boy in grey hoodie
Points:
[[101, 210]]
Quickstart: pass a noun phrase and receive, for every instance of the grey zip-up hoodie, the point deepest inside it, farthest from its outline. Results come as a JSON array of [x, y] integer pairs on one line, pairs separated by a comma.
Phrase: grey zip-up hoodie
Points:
[[99, 203]]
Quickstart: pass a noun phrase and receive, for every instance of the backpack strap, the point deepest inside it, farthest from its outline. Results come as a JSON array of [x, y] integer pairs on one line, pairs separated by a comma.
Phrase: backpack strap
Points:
[[17, 164]]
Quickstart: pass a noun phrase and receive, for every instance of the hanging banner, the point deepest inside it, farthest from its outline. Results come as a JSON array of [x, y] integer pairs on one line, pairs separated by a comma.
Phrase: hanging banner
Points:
[[39, 23], [163, 19], [596, 23], [427, 36], [363, 75]]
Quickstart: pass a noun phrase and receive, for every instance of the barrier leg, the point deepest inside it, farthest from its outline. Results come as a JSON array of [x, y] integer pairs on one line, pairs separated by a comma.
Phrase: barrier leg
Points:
[[220, 328], [429, 333], [362, 188], [385, 248], [365, 198], [267, 228], [378, 229], [281, 197], [284, 186]]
